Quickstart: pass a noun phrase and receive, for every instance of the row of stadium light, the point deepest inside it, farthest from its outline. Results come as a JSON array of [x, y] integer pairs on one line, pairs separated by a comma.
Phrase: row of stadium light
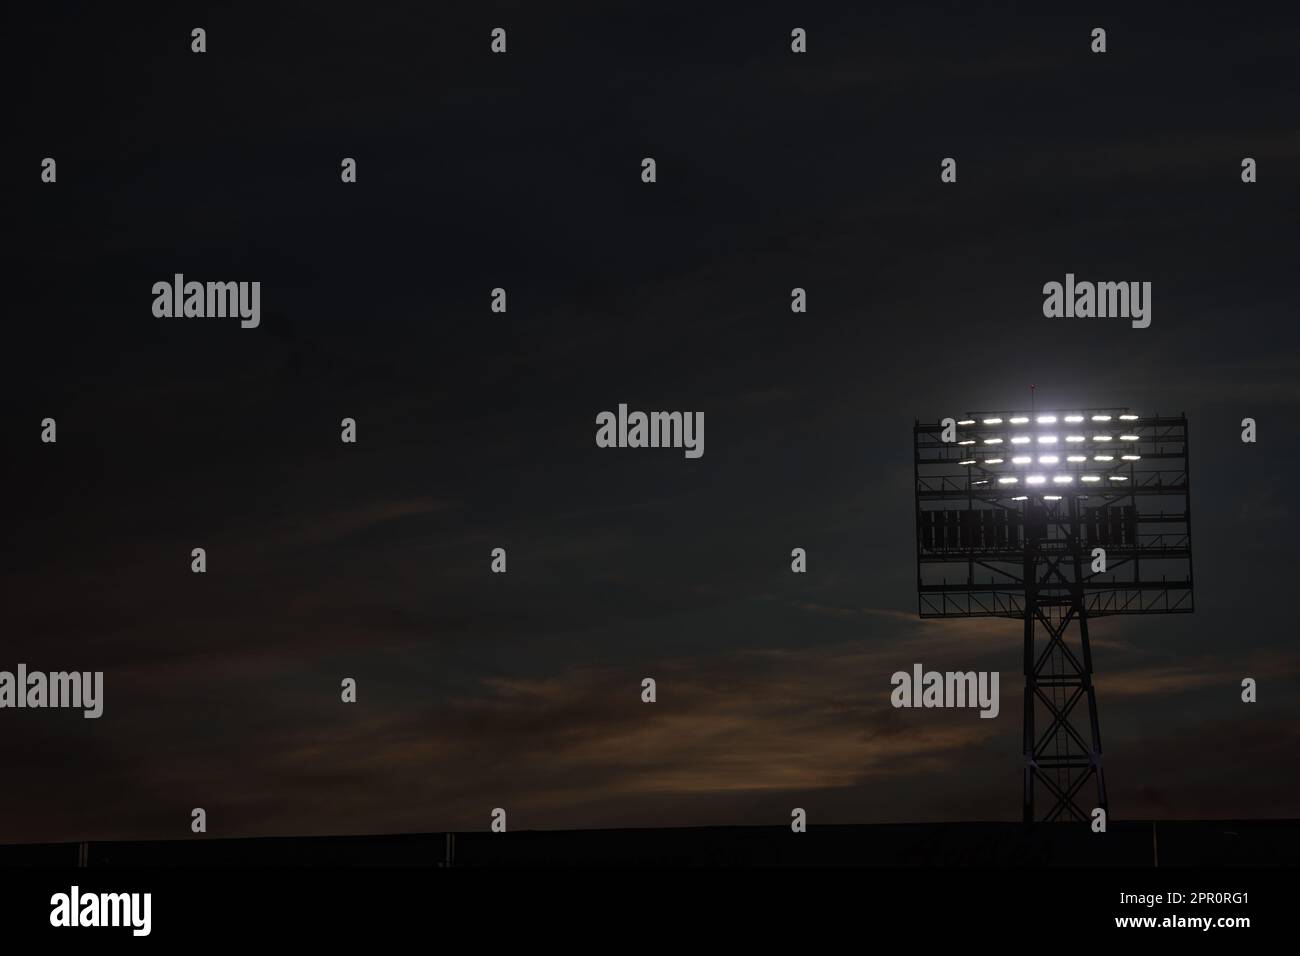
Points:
[[1049, 419], [1056, 479], [1075, 443], [1051, 439], [1048, 459]]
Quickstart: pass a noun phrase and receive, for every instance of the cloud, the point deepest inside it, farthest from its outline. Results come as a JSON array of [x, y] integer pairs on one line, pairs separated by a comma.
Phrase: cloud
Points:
[[734, 735]]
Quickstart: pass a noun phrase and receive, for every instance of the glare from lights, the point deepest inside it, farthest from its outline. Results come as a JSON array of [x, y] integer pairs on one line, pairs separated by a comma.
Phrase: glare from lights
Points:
[[1101, 438], [1022, 459], [982, 481], [1051, 497], [1062, 479], [1048, 459], [968, 461], [967, 421], [1101, 418], [966, 441], [993, 441], [992, 461], [1131, 457], [1074, 418], [1035, 480], [1091, 478], [1047, 439], [1128, 418], [1019, 420], [1077, 458], [1008, 481], [1075, 438], [1047, 419], [992, 421], [1103, 457], [1130, 437], [1020, 440], [1020, 498], [1119, 477]]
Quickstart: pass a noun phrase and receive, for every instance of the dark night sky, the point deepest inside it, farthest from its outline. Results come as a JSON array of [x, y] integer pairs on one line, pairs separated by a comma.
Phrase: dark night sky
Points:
[[477, 430]]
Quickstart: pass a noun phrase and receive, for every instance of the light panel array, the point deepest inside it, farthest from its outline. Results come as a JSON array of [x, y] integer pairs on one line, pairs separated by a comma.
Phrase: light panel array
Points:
[[1049, 453]]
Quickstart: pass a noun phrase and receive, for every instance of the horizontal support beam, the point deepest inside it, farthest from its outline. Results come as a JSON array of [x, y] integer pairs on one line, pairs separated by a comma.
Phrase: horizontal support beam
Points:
[[1017, 556], [1049, 591]]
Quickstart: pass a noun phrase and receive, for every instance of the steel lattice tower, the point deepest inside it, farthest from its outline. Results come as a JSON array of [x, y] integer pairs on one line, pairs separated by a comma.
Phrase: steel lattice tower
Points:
[[1072, 516]]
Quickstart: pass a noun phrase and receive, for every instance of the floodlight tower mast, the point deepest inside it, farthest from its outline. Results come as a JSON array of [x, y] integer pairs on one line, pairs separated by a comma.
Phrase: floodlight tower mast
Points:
[[1064, 757], [1048, 506]]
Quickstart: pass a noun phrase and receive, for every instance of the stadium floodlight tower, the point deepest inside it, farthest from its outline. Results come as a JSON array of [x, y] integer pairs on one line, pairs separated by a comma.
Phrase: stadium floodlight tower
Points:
[[1054, 518]]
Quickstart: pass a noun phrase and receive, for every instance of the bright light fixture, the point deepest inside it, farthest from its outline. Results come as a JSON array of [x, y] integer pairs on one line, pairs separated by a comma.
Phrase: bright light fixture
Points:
[[1074, 418], [1035, 480], [1048, 459], [967, 421], [1008, 481], [992, 421], [1047, 419], [1062, 479], [1022, 459], [1091, 478], [1047, 439], [1075, 438], [1101, 418], [1130, 437], [1019, 420], [1020, 440], [1131, 457], [1103, 457], [1077, 458]]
